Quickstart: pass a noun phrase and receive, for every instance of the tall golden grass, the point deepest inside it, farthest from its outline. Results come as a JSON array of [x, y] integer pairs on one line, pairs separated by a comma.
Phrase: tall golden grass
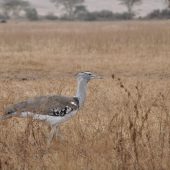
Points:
[[125, 123]]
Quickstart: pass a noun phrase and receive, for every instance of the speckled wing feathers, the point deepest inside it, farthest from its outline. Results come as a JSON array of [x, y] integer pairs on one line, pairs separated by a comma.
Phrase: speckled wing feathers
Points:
[[46, 105]]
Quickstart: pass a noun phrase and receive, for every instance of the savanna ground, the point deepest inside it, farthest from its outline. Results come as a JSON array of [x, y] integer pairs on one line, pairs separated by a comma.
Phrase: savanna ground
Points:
[[125, 123]]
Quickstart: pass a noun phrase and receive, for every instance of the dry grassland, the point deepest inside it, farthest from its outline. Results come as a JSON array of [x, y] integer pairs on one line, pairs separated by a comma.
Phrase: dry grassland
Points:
[[125, 123]]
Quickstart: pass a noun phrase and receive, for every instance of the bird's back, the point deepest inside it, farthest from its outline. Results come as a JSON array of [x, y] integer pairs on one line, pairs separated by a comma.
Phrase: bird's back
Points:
[[45, 105]]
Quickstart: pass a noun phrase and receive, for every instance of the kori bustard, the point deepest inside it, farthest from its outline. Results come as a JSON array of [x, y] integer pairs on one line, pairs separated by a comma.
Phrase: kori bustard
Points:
[[52, 109]]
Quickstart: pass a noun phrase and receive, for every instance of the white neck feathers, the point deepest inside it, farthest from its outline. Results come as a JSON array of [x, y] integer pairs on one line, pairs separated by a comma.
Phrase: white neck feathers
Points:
[[81, 90]]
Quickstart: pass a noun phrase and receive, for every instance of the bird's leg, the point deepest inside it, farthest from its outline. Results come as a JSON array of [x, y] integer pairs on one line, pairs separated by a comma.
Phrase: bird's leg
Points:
[[58, 133], [53, 131]]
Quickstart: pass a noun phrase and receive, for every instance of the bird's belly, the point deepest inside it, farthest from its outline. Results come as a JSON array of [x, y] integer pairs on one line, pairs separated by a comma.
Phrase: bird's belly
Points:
[[53, 120]]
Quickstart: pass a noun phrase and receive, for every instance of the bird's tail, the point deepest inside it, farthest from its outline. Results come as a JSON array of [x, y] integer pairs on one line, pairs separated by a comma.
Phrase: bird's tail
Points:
[[5, 116]]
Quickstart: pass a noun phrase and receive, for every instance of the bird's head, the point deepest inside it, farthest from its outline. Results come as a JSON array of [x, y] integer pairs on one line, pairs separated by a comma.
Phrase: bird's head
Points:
[[87, 75]]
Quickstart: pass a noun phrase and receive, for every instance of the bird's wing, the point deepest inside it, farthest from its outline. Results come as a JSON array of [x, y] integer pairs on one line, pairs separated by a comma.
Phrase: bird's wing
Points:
[[46, 105]]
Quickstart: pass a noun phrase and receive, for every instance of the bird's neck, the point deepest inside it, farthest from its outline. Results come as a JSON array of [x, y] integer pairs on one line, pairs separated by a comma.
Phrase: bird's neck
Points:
[[81, 91]]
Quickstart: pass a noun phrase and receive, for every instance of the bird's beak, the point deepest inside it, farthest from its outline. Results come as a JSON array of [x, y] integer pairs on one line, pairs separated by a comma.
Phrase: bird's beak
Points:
[[95, 76]]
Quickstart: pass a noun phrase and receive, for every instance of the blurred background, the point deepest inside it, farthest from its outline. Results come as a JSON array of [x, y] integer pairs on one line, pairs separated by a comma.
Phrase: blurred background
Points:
[[83, 10]]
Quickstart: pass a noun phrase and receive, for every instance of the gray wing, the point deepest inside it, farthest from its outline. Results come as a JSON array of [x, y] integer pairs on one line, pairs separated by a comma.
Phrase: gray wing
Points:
[[46, 105]]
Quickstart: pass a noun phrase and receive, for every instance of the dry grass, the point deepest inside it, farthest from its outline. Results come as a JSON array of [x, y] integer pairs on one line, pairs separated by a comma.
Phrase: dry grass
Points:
[[125, 123]]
